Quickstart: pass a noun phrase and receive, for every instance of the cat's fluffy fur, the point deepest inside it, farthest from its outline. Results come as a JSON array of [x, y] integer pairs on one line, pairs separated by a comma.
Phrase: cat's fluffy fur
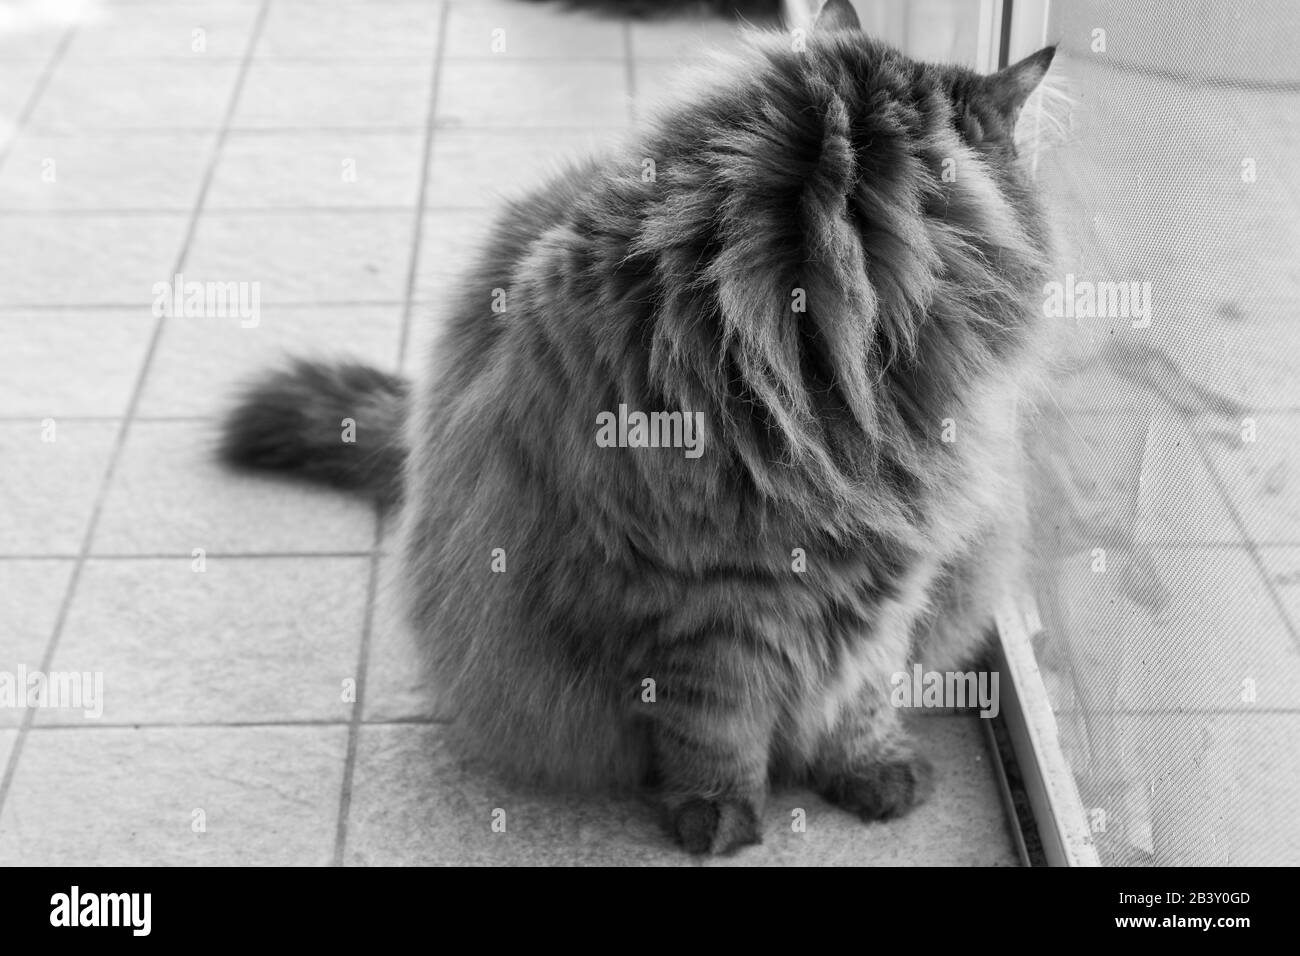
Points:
[[818, 170]]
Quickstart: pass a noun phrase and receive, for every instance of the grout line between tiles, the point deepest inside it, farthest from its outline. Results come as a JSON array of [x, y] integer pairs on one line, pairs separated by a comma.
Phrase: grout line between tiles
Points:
[[359, 703], [115, 455], [225, 724], [1252, 547], [135, 212], [37, 91], [81, 132], [139, 212], [413, 271], [163, 556], [38, 88], [137, 306], [354, 727], [99, 419]]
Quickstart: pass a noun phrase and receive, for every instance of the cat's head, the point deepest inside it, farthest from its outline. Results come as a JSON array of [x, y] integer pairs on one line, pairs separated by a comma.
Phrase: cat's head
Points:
[[984, 108], [852, 234]]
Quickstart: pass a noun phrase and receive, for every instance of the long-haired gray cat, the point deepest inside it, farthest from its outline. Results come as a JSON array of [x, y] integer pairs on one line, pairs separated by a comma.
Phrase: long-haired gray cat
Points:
[[835, 270]]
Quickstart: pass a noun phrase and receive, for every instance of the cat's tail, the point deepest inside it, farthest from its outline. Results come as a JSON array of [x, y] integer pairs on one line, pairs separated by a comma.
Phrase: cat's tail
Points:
[[338, 424]]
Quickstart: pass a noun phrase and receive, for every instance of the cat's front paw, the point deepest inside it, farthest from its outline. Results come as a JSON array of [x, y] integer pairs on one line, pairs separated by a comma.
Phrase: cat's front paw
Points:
[[715, 826], [884, 789]]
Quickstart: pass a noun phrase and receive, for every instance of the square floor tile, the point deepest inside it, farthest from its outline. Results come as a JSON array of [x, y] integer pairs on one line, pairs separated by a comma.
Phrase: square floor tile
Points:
[[1223, 293], [202, 364], [685, 37], [157, 171], [481, 167], [1105, 387], [90, 95], [1167, 629], [658, 83], [451, 241], [33, 594], [271, 169], [451, 246], [1215, 790], [1261, 476], [519, 30], [397, 686], [246, 639], [87, 259], [198, 30], [1270, 126], [1257, 369], [1213, 351], [1282, 568], [1219, 630], [348, 30], [292, 95], [170, 495], [1178, 500], [71, 362], [306, 257], [52, 473], [531, 93], [1147, 197], [426, 323], [18, 79], [32, 30], [415, 803], [265, 796], [1117, 478]]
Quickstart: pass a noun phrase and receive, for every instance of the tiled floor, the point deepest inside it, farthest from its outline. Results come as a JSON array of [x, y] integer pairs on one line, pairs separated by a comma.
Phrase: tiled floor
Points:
[[342, 155]]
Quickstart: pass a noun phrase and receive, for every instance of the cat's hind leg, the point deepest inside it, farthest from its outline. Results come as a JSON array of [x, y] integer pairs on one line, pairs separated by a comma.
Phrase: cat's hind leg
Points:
[[862, 758], [868, 764]]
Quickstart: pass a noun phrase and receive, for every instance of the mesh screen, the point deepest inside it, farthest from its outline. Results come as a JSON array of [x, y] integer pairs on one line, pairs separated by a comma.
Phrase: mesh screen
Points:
[[1167, 519]]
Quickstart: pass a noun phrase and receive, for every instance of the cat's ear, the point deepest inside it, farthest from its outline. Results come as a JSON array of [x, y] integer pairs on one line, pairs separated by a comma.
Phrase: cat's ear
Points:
[[836, 15], [1008, 88]]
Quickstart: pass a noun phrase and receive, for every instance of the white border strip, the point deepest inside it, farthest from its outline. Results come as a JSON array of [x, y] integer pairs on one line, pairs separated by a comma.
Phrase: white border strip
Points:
[[1029, 21], [989, 38], [800, 13], [1048, 779]]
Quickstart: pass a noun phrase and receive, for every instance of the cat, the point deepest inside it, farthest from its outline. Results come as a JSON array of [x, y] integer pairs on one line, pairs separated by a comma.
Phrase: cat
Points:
[[829, 256]]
